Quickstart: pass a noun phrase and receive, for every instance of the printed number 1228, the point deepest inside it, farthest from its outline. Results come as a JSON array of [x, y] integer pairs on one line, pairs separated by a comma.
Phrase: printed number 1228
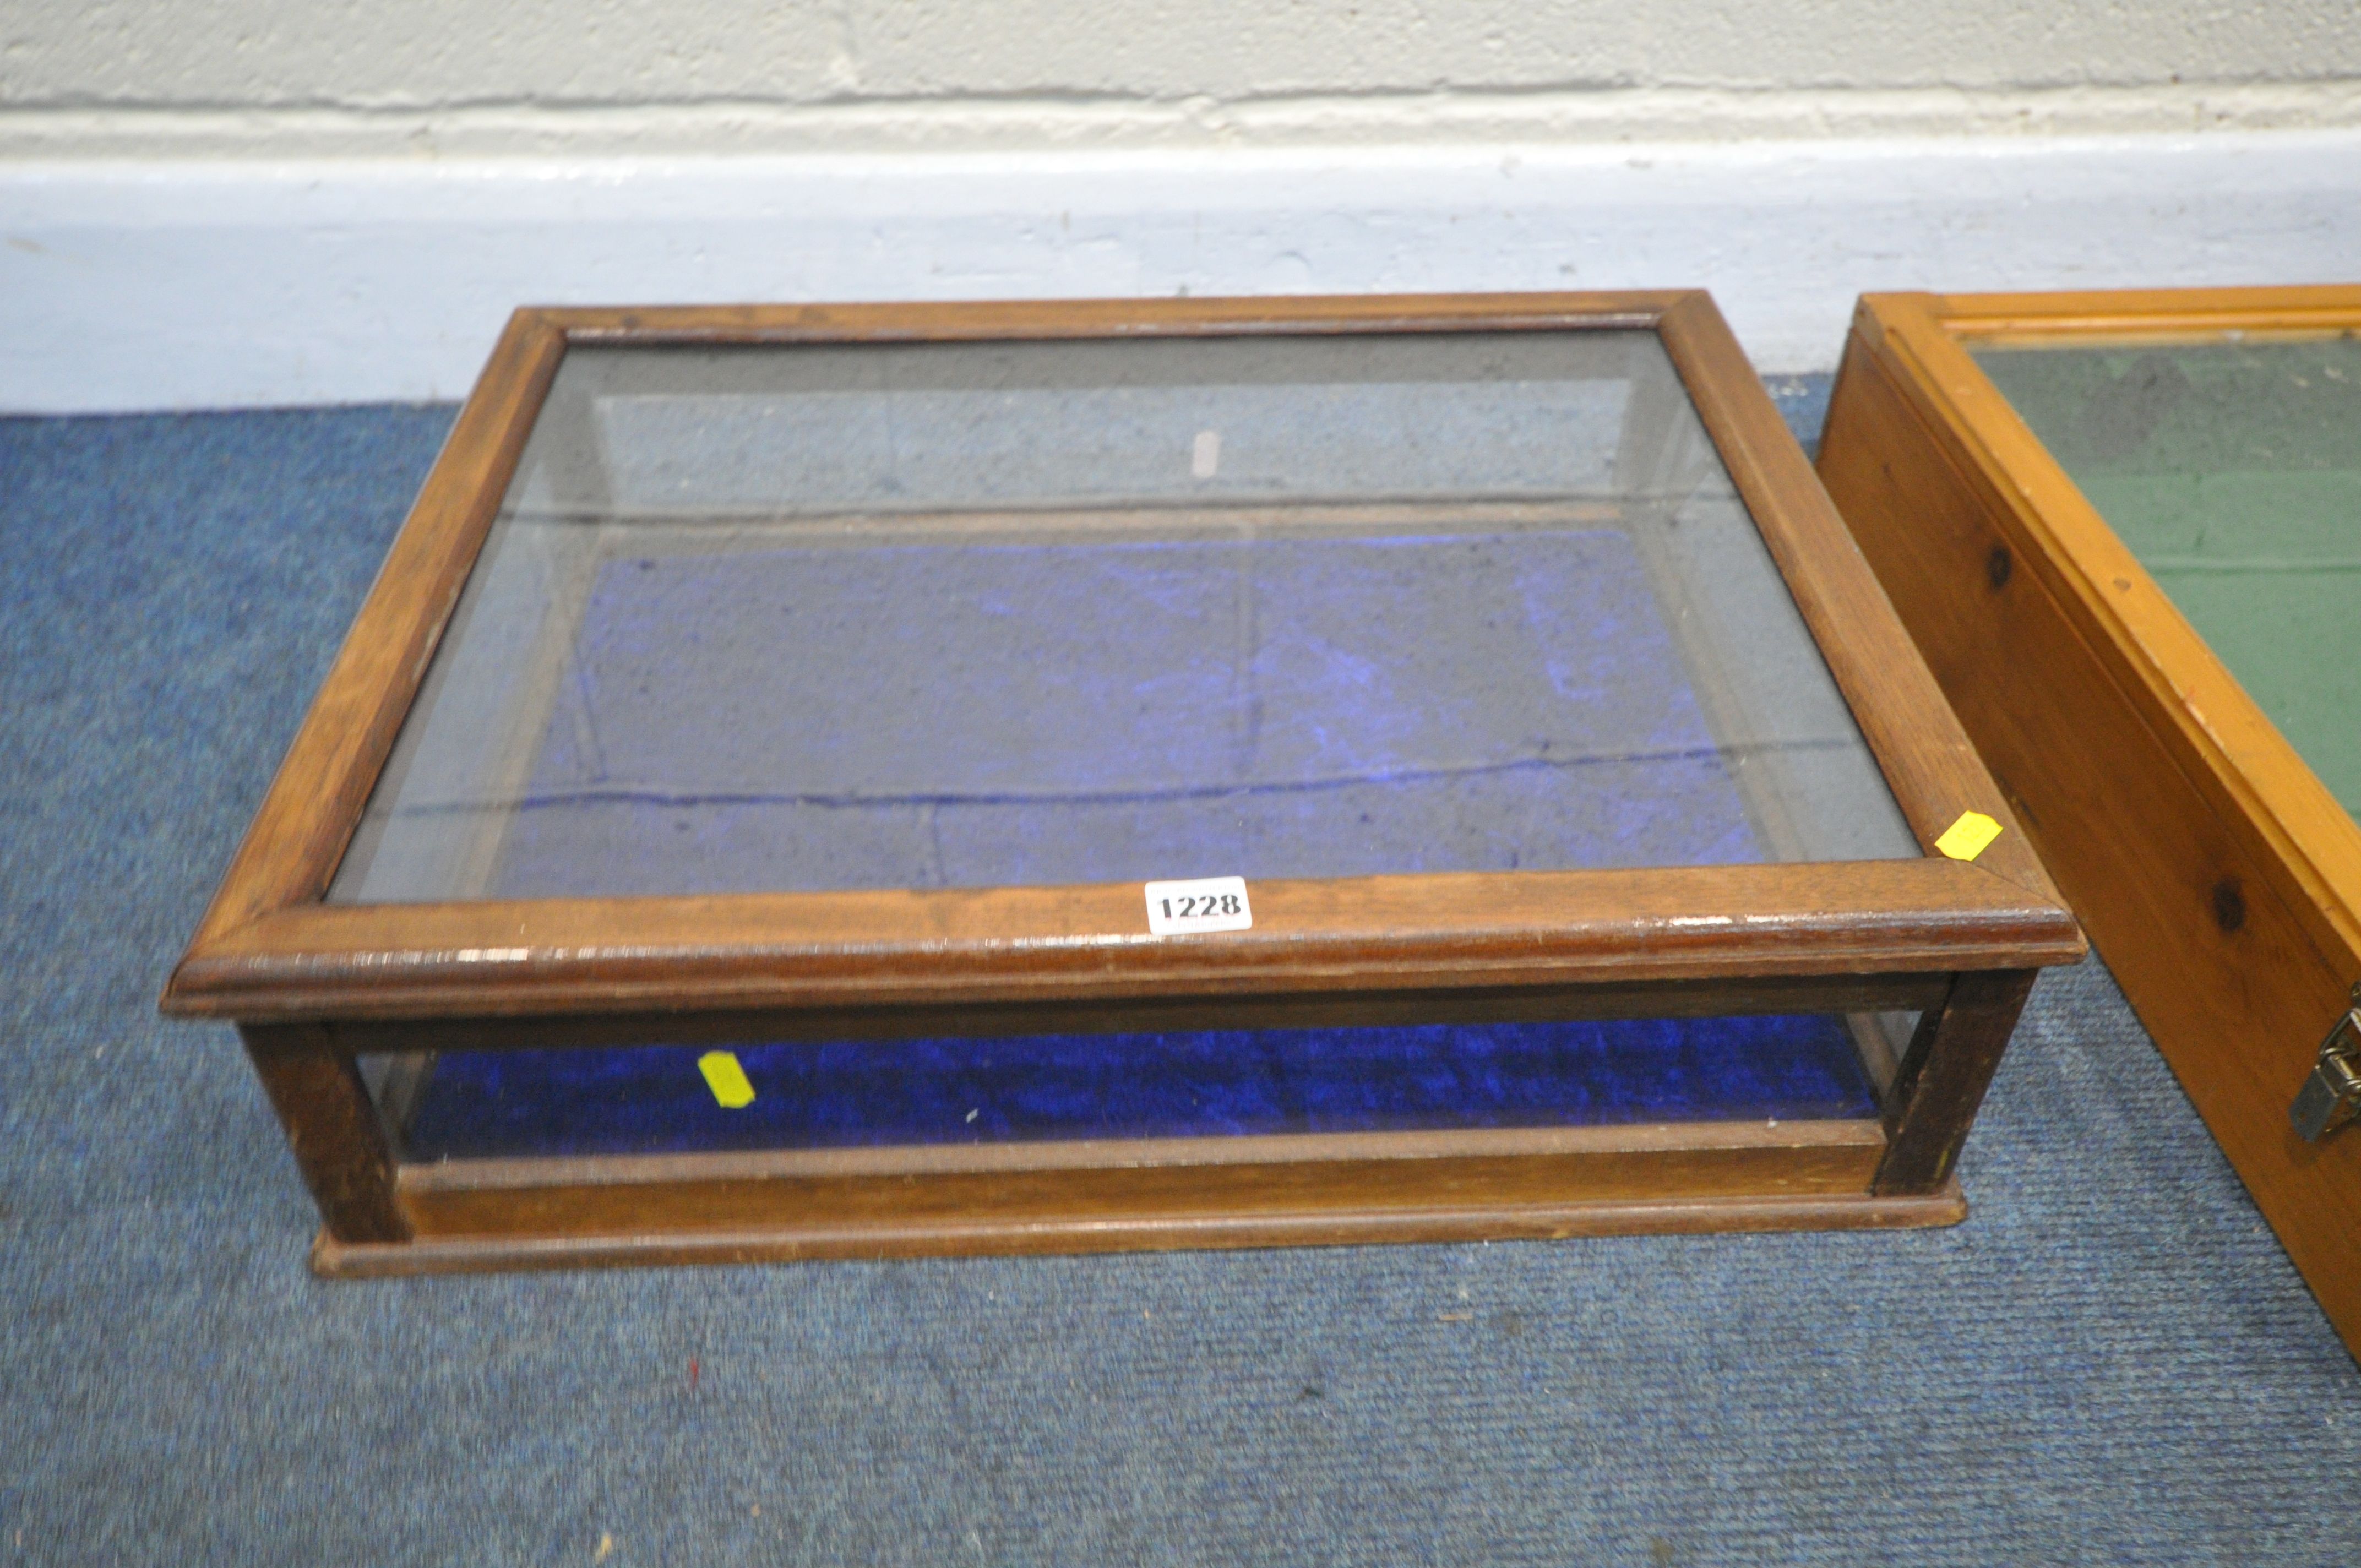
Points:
[[1196, 906]]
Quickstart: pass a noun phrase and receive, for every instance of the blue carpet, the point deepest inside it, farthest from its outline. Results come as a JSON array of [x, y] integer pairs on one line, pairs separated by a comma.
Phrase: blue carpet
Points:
[[2111, 1362]]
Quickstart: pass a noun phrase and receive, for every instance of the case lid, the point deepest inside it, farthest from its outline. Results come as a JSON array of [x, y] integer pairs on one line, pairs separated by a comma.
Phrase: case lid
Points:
[[878, 656], [803, 618]]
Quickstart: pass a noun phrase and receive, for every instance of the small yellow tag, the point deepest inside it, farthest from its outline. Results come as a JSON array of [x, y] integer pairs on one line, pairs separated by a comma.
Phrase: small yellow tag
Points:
[[1970, 836], [726, 1078]]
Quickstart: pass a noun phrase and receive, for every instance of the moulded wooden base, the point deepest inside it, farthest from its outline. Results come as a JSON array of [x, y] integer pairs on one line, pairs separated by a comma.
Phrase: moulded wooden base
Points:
[[927, 1238]]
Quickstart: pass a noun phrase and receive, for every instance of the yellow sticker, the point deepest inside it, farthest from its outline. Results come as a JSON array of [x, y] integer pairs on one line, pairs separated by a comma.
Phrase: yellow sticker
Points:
[[726, 1078], [1970, 836]]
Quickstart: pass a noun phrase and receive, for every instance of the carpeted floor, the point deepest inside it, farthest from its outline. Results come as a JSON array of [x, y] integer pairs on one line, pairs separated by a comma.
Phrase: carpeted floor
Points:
[[2109, 1361]]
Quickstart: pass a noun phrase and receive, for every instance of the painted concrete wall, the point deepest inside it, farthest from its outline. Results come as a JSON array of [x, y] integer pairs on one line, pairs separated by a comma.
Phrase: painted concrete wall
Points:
[[300, 78], [296, 200], [243, 281]]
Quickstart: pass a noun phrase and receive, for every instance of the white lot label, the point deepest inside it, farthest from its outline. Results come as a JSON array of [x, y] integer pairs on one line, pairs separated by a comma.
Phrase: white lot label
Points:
[[1208, 904]]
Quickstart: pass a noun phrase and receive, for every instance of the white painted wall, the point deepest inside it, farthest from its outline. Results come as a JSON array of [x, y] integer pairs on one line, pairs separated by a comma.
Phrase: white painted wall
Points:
[[305, 78], [204, 285], [324, 201]]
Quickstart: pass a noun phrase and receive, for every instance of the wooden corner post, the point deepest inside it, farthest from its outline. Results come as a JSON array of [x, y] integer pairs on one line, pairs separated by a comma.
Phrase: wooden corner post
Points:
[[339, 1144], [1942, 1078]]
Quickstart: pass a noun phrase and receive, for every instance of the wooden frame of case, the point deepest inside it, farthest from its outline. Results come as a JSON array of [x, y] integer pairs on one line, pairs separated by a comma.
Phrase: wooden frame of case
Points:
[[314, 985], [2220, 878]]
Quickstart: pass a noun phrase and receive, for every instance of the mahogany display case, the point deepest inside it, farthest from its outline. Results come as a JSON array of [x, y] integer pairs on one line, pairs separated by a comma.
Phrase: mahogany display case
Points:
[[2125, 528], [853, 780]]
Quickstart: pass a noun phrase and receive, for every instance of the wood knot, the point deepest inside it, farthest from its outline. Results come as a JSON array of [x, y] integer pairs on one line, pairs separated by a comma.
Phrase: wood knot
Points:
[[2229, 904], [1998, 566]]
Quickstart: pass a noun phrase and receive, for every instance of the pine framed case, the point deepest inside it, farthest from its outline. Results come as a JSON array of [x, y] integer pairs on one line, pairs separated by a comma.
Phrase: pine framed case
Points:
[[2126, 530]]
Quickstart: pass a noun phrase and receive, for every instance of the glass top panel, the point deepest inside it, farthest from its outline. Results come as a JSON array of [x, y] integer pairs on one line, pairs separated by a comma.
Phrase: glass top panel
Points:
[[2231, 470], [790, 618]]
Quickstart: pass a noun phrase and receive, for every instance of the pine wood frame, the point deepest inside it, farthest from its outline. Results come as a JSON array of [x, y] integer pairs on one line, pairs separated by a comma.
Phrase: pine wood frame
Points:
[[312, 985], [2220, 878]]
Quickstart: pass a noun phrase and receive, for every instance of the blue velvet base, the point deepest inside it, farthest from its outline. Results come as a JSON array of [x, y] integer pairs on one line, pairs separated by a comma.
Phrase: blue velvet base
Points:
[[1208, 1084], [997, 714]]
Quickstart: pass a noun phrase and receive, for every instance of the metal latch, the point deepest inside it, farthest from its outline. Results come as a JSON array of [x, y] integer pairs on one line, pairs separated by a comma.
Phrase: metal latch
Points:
[[2331, 1095]]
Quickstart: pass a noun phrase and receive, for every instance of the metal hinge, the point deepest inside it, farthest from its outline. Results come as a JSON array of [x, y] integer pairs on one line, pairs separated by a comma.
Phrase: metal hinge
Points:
[[2331, 1095]]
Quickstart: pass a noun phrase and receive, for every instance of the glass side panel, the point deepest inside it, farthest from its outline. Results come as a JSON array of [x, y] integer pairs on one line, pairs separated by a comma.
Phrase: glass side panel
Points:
[[808, 617], [2231, 470], [867, 1093]]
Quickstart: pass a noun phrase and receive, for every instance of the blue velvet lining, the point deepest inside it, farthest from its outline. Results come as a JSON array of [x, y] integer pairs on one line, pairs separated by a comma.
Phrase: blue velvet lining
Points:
[[888, 716], [1213, 1083]]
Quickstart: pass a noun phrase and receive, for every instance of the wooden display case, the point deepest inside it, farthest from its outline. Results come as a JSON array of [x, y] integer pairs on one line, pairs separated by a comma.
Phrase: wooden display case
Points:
[[2125, 529], [725, 834]]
